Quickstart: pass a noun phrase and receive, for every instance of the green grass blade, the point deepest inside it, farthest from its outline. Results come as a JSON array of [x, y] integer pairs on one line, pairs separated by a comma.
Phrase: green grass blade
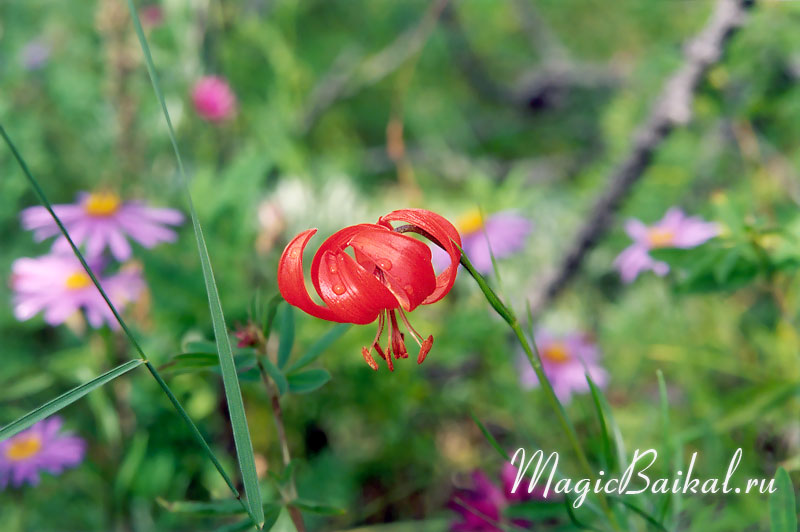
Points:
[[66, 399], [491, 439], [319, 347], [608, 446], [782, 504], [286, 336], [233, 393]]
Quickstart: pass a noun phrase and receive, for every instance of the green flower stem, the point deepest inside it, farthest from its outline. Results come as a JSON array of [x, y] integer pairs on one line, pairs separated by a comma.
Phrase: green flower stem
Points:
[[536, 363], [277, 413]]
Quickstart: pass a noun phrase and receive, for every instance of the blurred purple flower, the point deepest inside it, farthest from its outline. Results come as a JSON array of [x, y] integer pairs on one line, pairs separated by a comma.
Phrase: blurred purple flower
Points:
[[58, 285], [213, 99], [565, 362], [101, 220], [479, 507], [34, 54], [43, 447], [505, 231], [674, 230]]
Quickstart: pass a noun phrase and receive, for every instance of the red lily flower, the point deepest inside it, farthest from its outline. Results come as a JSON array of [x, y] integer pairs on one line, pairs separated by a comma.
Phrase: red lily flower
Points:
[[391, 272]]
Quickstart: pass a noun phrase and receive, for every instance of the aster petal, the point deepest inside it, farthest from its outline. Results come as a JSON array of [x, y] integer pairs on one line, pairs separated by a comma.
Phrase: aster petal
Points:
[[632, 261], [120, 247], [636, 230], [506, 233], [672, 220]]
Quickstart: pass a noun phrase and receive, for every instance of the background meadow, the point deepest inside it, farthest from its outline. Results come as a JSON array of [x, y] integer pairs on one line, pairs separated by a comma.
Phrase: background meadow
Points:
[[343, 111]]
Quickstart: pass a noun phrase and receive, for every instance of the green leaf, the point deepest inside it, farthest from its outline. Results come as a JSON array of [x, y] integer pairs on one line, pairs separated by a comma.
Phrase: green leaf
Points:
[[308, 381], [644, 515], [287, 335], [233, 394], [488, 435], [240, 526], [209, 508], [782, 504], [611, 427], [608, 445], [272, 311], [275, 373], [317, 508], [319, 346], [283, 523], [64, 400], [535, 510]]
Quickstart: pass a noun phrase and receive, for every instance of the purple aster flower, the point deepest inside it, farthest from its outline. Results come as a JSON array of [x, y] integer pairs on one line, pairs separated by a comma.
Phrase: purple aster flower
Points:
[[479, 507], [34, 54], [43, 447], [674, 230], [505, 231], [565, 362], [57, 285], [101, 220]]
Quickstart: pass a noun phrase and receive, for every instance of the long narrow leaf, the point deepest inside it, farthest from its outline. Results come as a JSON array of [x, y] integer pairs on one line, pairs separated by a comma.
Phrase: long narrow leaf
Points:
[[608, 446], [319, 347], [233, 394], [490, 438], [66, 399]]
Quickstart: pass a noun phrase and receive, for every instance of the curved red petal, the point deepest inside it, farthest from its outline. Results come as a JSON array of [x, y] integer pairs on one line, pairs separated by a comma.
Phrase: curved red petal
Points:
[[291, 282], [443, 232], [335, 243], [404, 261], [350, 290]]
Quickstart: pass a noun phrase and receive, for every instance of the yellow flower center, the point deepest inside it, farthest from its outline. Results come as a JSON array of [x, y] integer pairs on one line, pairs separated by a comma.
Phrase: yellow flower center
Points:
[[102, 204], [77, 280], [470, 222], [556, 352], [23, 448], [660, 238]]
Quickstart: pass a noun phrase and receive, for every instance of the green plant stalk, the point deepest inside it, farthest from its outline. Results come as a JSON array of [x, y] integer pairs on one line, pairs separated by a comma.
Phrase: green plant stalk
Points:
[[277, 414], [536, 363], [233, 393]]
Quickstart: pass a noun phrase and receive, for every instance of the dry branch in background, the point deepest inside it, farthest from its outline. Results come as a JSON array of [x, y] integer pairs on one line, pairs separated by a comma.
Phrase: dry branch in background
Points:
[[672, 108]]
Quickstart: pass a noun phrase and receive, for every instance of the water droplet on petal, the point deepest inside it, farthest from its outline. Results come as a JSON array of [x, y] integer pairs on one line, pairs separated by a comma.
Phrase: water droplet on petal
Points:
[[384, 264], [339, 289], [332, 266], [293, 254], [409, 289]]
